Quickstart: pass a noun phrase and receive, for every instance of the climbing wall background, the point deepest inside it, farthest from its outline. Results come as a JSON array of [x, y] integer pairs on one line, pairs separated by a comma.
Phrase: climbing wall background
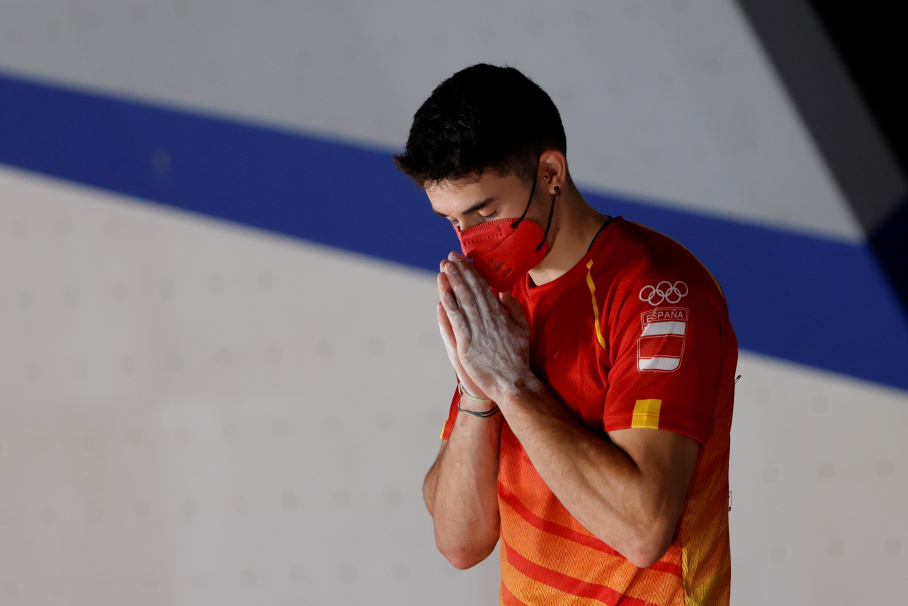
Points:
[[222, 378]]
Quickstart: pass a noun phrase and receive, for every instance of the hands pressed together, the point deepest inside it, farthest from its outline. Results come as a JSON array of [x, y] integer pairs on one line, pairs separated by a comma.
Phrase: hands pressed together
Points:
[[487, 337]]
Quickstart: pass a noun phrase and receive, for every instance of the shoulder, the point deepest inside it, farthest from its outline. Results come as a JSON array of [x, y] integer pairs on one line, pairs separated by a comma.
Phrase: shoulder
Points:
[[657, 269]]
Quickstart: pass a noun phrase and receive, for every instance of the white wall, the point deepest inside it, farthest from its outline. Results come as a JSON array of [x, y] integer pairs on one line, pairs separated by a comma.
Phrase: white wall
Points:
[[196, 413]]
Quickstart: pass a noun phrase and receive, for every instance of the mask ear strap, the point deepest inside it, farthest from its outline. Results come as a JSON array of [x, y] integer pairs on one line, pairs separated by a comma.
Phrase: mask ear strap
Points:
[[551, 214], [532, 191]]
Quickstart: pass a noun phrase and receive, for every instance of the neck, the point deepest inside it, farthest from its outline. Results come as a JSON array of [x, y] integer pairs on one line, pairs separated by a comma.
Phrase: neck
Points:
[[574, 225]]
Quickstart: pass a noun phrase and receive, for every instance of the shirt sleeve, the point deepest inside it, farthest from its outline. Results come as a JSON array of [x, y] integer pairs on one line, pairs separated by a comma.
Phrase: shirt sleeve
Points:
[[665, 329], [452, 416]]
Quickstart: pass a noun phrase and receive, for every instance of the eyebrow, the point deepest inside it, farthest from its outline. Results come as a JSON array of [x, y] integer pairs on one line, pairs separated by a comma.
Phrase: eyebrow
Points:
[[478, 206]]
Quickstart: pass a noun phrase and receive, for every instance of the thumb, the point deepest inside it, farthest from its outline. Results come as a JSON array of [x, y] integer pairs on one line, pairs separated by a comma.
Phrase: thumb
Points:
[[514, 309]]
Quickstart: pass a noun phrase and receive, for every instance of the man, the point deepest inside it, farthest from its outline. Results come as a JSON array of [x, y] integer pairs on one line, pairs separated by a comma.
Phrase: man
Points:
[[590, 427]]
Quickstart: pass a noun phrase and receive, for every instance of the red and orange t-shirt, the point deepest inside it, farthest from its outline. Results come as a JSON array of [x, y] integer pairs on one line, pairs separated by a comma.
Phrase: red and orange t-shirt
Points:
[[636, 335]]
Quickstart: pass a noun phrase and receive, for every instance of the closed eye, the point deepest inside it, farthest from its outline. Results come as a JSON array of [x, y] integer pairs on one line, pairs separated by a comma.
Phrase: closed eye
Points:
[[481, 216], [455, 223]]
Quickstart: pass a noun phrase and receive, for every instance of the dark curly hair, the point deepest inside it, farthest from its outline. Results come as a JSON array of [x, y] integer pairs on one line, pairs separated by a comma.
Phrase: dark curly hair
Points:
[[482, 118]]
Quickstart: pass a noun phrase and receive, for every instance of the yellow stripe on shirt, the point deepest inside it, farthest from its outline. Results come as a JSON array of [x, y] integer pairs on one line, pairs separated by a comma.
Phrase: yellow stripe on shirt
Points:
[[589, 282]]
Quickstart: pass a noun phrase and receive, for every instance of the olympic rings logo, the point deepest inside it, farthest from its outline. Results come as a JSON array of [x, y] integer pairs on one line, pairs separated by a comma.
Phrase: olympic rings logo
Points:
[[664, 292]]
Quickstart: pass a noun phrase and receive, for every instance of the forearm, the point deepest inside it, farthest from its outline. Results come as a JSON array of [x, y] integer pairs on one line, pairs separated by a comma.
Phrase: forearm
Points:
[[596, 481], [461, 491]]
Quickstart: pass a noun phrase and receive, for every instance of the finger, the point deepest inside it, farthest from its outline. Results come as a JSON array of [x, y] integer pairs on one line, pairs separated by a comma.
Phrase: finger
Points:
[[465, 297], [443, 285], [476, 282], [460, 327], [468, 270], [446, 290], [447, 337], [515, 310], [447, 334]]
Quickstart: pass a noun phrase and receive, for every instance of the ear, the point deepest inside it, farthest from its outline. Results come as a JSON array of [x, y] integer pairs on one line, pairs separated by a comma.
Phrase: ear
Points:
[[553, 171]]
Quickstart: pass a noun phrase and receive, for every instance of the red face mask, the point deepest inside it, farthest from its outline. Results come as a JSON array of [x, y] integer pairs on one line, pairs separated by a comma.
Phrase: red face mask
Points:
[[504, 250], [503, 253]]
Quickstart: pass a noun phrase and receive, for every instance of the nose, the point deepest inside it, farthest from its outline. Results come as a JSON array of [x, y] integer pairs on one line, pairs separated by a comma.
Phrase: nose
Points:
[[465, 223]]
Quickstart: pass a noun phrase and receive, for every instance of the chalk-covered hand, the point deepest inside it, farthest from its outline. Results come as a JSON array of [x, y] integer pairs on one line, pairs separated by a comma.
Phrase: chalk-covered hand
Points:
[[450, 341], [492, 345]]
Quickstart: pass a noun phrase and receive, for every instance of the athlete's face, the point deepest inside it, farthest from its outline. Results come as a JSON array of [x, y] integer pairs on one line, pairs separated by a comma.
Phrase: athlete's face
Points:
[[492, 196]]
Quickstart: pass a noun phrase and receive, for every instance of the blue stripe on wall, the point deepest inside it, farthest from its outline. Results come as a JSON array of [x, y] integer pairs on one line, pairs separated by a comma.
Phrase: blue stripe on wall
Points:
[[806, 299]]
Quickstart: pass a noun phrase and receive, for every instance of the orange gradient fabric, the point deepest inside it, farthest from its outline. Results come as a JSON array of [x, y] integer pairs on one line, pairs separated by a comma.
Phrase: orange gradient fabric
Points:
[[636, 335]]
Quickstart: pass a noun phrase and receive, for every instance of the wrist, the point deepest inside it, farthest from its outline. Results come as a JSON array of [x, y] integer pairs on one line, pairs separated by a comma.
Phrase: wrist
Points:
[[470, 390], [474, 405], [474, 412], [520, 392]]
